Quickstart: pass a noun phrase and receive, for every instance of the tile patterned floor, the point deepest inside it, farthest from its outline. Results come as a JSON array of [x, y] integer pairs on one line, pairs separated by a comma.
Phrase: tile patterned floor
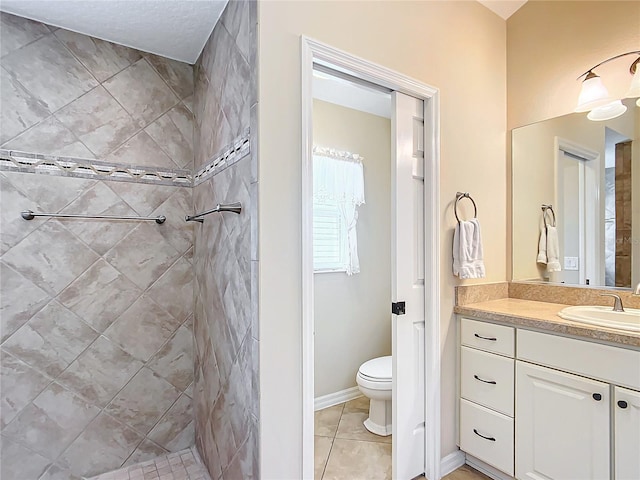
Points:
[[183, 465], [345, 450]]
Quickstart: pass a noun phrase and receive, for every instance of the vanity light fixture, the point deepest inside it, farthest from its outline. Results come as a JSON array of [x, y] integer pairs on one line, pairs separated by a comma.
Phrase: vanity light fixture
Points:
[[594, 97]]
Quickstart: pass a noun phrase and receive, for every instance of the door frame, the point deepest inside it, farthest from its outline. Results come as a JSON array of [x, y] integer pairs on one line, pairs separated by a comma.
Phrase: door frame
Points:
[[593, 226], [314, 52]]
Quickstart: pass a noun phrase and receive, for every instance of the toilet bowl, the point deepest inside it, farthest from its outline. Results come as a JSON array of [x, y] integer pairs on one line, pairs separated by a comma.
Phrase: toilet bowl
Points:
[[374, 381]]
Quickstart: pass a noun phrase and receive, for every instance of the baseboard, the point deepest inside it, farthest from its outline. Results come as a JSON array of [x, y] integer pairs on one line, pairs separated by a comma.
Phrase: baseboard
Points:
[[487, 469], [451, 462], [335, 398]]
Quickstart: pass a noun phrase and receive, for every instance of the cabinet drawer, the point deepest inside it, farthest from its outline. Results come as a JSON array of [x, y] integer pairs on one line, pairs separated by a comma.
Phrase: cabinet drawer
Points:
[[488, 336], [487, 435], [616, 365], [487, 379]]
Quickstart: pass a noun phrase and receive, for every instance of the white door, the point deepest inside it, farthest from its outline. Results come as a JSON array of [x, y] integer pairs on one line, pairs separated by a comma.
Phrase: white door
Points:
[[562, 425], [407, 270], [571, 220], [579, 216], [627, 434]]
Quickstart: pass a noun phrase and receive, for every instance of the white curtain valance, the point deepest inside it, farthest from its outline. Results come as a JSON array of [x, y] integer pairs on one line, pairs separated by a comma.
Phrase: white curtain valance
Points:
[[338, 176], [337, 154]]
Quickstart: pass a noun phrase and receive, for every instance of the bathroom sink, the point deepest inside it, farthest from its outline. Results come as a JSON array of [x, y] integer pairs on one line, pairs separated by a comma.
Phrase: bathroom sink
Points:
[[604, 316]]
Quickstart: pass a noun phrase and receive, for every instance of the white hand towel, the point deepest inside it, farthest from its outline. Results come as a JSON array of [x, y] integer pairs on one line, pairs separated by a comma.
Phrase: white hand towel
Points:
[[553, 250], [467, 250], [542, 246]]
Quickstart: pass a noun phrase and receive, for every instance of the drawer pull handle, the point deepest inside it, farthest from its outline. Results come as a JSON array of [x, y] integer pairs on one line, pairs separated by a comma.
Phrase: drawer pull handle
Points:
[[622, 404], [485, 338], [486, 438], [492, 382], [597, 397]]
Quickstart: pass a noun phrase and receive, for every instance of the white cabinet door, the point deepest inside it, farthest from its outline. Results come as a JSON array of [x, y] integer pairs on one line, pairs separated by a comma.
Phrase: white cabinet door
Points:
[[627, 434], [562, 425]]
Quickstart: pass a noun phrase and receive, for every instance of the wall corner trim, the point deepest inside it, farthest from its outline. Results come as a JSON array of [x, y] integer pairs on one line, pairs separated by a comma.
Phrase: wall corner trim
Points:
[[452, 462], [331, 399]]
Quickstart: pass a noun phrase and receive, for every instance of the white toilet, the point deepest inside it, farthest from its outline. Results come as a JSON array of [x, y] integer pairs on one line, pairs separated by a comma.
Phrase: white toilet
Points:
[[374, 381]]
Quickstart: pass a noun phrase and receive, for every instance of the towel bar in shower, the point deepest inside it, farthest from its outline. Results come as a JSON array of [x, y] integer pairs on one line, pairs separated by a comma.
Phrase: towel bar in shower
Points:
[[231, 207], [460, 196], [29, 215]]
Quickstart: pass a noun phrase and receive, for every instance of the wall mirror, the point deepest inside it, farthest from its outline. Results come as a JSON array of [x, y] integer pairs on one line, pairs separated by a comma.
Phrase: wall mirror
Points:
[[589, 173]]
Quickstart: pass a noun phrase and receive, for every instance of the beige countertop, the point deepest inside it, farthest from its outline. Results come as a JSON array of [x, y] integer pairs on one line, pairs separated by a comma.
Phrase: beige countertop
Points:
[[544, 316]]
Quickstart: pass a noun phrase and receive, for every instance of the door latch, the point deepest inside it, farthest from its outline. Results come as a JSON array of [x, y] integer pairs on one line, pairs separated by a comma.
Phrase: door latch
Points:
[[397, 308]]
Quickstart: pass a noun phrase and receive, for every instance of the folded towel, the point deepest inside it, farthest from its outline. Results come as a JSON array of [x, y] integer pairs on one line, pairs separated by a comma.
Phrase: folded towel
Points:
[[549, 248], [542, 246], [553, 250], [467, 250]]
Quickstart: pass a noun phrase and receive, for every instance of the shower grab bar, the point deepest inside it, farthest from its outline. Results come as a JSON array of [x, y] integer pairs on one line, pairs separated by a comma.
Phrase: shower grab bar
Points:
[[231, 207], [29, 215]]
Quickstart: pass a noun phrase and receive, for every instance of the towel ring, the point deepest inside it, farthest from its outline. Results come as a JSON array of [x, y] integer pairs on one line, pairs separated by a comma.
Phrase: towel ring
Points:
[[545, 209], [459, 196]]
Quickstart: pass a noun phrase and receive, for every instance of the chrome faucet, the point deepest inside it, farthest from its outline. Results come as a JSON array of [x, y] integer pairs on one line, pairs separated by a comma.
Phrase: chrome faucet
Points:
[[617, 306]]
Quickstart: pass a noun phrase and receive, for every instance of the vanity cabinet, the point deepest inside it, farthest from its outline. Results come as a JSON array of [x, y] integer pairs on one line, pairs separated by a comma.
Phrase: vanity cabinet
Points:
[[626, 412], [536, 405]]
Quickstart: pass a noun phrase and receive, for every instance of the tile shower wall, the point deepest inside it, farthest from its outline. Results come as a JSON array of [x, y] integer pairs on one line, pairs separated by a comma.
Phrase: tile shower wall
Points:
[[225, 259], [224, 92], [96, 317], [610, 227], [624, 215], [64, 93]]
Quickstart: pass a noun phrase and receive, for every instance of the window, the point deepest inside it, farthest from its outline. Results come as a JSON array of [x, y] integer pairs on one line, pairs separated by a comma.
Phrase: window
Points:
[[338, 191], [329, 238]]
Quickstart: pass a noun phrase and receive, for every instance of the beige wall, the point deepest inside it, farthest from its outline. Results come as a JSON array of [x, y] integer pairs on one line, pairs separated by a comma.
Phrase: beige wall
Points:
[[458, 47], [351, 313]]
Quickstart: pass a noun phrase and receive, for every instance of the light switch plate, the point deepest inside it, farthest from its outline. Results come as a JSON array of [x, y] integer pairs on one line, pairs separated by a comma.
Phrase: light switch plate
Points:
[[571, 263]]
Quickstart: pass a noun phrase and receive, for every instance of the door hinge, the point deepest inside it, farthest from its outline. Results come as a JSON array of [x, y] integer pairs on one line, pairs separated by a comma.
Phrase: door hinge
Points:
[[397, 308]]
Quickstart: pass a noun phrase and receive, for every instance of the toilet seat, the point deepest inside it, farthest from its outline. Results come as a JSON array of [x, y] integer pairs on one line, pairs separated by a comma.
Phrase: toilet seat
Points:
[[376, 373], [375, 384]]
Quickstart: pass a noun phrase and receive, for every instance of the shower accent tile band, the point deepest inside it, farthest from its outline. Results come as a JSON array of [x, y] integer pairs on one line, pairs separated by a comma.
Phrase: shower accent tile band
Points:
[[11, 160], [231, 154]]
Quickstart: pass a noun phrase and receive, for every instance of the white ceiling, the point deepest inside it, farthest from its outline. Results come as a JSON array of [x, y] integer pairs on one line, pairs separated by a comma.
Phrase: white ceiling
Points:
[[176, 29], [503, 8]]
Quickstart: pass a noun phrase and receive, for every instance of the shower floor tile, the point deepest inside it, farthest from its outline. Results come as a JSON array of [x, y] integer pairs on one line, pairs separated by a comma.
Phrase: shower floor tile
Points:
[[183, 465]]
